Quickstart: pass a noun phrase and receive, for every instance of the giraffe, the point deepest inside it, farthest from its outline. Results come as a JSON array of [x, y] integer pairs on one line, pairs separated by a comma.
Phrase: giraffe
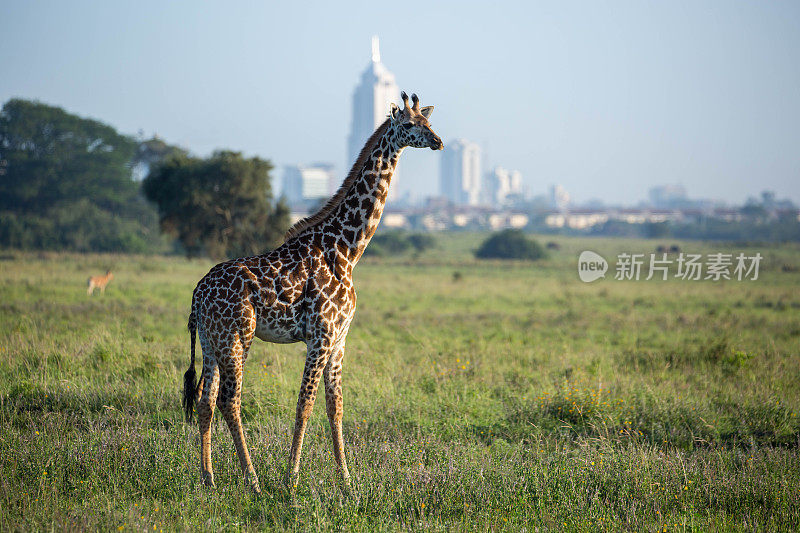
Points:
[[98, 282], [300, 292]]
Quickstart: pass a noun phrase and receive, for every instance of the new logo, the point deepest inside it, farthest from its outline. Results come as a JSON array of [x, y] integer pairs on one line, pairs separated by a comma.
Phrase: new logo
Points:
[[591, 266]]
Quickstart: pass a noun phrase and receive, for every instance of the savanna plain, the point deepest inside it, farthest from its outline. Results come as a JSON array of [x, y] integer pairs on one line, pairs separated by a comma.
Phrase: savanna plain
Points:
[[479, 395]]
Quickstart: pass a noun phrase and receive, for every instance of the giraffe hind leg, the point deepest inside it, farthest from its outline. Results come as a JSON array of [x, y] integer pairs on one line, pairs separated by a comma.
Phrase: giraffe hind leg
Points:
[[334, 407], [205, 412], [229, 402]]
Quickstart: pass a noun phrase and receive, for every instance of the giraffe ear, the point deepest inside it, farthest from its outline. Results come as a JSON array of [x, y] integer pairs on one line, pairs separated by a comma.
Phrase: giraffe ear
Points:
[[426, 111], [395, 112]]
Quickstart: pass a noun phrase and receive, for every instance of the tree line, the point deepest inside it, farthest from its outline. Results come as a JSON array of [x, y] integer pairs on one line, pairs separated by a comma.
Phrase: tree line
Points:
[[67, 183]]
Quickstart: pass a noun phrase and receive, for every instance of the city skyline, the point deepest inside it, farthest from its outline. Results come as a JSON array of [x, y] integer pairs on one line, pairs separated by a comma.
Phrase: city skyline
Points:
[[608, 101]]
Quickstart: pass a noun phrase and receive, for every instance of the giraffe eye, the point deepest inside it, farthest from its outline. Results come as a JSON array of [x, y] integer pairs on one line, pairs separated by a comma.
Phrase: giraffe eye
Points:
[[408, 125]]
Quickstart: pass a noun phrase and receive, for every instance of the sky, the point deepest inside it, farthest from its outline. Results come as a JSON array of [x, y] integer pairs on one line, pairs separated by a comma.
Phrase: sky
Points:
[[607, 99]]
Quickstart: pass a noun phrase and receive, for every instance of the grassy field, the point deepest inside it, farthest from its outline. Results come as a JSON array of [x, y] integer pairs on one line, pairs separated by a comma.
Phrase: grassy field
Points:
[[478, 396]]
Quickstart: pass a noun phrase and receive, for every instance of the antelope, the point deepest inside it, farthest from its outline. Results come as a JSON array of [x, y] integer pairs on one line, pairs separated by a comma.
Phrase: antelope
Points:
[[99, 282]]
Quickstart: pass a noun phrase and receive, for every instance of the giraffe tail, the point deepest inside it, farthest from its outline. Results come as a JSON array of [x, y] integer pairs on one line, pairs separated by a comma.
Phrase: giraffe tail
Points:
[[190, 377]]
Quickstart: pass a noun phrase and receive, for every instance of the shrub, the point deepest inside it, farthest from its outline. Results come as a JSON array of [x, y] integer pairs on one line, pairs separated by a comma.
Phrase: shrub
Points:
[[510, 244], [421, 241], [391, 242], [398, 243]]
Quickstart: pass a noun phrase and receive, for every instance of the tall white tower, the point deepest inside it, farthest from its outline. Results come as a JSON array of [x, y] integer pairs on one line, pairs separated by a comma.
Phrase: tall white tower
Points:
[[371, 100]]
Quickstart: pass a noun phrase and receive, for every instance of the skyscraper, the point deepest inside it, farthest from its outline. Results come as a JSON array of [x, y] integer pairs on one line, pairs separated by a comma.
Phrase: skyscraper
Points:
[[502, 184], [460, 172], [559, 197], [371, 99]]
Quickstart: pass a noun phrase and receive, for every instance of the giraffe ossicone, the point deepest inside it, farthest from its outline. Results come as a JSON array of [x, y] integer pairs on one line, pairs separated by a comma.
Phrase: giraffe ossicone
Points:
[[300, 292]]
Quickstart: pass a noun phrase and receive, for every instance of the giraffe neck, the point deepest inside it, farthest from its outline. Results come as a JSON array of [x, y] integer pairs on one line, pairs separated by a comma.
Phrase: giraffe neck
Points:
[[356, 218]]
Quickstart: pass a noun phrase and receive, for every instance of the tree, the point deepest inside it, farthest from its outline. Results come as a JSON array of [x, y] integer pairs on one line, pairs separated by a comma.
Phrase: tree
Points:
[[151, 152], [222, 206], [510, 244], [53, 156], [66, 183]]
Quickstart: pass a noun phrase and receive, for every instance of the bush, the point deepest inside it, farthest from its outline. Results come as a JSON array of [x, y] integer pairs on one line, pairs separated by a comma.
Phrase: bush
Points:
[[398, 243], [391, 243], [79, 226], [510, 244], [421, 241]]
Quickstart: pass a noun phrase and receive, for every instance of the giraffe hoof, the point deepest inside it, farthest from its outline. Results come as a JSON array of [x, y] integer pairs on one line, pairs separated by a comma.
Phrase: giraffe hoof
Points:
[[347, 487], [208, 480], [291, 482], [294, 503]]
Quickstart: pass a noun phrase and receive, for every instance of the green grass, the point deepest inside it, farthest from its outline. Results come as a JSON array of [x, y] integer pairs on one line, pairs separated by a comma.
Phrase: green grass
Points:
[[508, 395]]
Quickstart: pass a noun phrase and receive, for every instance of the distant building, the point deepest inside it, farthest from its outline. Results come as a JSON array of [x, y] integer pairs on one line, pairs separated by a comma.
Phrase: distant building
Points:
[[304, 186], [395, 220], [460, 173], [559, 197], [502, 185], [508, 220], [371, 99], [668, 196]]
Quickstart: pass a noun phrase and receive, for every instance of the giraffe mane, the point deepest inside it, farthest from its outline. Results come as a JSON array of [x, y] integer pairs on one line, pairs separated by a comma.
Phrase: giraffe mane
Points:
[[334, 201]]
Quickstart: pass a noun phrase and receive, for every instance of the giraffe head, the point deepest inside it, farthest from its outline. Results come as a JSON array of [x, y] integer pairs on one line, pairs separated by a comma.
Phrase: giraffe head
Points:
[[411, 125]]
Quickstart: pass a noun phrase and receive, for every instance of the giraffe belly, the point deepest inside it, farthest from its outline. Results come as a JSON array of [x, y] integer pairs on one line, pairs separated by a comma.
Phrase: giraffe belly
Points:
[[277, 331]]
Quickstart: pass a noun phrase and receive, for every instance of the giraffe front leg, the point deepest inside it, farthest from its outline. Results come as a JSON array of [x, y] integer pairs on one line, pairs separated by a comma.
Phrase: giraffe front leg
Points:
[[335, 409], [205, 412], [315, 363]]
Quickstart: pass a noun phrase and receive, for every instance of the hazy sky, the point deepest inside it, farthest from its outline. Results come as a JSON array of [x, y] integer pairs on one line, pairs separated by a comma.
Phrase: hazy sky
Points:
[[607, 99]]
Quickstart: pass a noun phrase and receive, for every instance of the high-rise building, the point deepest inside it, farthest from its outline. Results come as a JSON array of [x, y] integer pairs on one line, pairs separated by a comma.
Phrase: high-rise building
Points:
[[460, 173], [305, 185], [371, 99], [502, 185], [559, 197]]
